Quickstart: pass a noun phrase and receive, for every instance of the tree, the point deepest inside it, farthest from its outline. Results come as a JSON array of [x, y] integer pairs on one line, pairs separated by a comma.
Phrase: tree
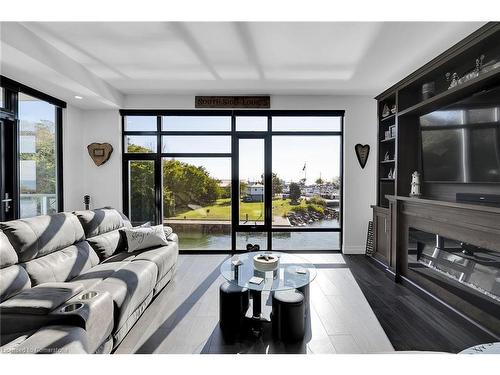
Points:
[[319, 181], [44, 157], [295, 192], [185, 184], [243, 188], [277, 184], [225, 192], [336, 183]]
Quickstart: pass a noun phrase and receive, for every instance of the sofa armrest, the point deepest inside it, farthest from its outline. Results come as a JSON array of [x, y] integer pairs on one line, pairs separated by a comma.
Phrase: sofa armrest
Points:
[[54, 339], [40, 300], [173, 238], [31, 309], [92, 311]]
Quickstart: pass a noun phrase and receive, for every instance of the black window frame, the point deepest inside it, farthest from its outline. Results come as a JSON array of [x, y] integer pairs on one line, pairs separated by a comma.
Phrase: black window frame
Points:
[[12, 89], [235, 136]]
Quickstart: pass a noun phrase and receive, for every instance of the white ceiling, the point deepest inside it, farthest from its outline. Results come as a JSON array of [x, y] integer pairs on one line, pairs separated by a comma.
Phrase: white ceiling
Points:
[[300, 58]]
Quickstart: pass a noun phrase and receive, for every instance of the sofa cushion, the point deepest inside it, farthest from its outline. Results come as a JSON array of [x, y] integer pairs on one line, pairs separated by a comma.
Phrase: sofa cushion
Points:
[[41, 299], [107, 244], [102, 220], [56, 339], [63, 265], [8, 255], [173, 237], [164, 257], [168, 230], [120, 257], [38, 236], [98, 273], [13, 280], [129, 286], [144, 238]]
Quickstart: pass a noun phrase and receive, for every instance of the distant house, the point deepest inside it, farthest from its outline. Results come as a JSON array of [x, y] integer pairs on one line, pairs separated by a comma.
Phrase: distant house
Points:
[[254, 193]]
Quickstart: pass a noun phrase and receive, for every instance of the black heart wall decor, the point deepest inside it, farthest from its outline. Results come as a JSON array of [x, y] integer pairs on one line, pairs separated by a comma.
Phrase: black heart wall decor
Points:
[[362, 152]]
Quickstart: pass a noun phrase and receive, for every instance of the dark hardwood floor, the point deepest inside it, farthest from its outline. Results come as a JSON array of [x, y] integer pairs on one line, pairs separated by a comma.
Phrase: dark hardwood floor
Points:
[[411, 319]]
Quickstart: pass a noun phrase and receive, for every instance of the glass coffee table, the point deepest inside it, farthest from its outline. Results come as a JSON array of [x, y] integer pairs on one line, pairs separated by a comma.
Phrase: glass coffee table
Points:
[[293, 272]]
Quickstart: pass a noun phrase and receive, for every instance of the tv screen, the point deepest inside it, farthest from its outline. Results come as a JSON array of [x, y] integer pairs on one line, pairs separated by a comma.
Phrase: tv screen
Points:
[[461, 142]]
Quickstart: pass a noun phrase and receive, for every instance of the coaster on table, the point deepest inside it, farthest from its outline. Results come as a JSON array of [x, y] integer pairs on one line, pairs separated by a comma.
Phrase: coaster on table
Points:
[[301, 271], [256, 280]]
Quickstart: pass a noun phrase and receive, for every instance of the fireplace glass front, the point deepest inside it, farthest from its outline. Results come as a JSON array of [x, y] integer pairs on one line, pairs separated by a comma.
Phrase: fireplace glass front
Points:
[[458, 264]]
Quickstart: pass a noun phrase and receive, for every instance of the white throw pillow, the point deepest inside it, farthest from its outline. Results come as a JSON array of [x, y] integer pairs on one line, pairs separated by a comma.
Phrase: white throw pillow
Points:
[[146, 237]]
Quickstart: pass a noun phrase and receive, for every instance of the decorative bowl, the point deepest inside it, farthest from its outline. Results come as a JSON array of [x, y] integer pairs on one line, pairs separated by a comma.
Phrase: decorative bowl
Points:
[[266, 262]]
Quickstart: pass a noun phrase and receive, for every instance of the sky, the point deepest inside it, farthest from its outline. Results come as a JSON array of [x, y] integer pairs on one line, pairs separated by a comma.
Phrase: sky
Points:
[[32, 111], [320, 154]]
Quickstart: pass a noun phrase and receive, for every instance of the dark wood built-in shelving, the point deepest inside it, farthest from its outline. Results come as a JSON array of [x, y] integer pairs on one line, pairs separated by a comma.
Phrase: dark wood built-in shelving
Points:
[[388, 140], [453, 94], [387, 118], [438, 214]]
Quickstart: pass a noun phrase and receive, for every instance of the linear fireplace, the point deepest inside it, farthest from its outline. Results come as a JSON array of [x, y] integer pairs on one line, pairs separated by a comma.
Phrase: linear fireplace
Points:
[[468, 272]]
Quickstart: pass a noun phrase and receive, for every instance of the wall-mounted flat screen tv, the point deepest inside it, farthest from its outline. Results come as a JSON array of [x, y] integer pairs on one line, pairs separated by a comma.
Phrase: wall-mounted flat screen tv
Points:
[[461, 142]]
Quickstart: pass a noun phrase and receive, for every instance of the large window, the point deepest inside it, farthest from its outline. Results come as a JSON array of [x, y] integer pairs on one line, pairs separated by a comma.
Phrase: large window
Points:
[[31, 124], [37, 157], [225, 179]]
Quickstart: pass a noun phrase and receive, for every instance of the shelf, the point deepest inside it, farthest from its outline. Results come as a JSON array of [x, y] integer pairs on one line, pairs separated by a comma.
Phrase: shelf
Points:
[[387, 140], [387, 161], [452, 95], [387, 179], [386, 119]]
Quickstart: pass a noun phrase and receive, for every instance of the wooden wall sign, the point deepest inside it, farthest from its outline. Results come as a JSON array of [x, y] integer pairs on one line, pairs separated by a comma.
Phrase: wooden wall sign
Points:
[[100, 152], [232, 102]]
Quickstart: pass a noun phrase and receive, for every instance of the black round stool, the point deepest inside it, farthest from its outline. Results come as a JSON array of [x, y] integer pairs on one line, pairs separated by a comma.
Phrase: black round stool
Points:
[[288, 315], [233, 304], [305, 291]]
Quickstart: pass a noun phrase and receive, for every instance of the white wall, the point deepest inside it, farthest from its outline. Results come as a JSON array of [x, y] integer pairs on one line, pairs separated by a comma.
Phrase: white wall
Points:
[[104, 183], [72, 158], [81, 175]]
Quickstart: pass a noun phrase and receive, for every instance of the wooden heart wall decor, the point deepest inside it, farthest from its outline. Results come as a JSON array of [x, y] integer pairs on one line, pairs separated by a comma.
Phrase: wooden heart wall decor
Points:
[[100, 152], [362, 152]]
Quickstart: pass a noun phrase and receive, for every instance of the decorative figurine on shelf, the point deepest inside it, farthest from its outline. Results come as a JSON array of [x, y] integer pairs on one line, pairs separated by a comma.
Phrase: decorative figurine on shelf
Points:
[[393, 109], [474, 73], [390, 175], [387, 156], [392, 131], [428, 90], [453, 78], [415, 185], [386, 111]]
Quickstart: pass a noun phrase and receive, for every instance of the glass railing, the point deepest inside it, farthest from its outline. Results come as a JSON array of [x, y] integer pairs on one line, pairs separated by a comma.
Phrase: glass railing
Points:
[[37, 204]]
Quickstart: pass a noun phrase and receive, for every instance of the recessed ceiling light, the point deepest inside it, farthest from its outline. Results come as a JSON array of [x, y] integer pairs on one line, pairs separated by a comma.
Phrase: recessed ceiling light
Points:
[[78, 97]]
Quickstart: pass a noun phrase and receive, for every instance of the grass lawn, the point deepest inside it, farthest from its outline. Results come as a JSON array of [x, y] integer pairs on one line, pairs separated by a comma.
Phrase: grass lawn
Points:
[[221, 210]]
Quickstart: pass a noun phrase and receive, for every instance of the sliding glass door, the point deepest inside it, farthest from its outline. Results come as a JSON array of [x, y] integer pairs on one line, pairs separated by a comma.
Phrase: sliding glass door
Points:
[[224, 180]]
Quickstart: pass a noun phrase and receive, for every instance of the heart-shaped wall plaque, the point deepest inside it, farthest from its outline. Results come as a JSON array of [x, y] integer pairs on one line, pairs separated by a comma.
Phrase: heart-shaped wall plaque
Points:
[[100, 152], [362, 152]]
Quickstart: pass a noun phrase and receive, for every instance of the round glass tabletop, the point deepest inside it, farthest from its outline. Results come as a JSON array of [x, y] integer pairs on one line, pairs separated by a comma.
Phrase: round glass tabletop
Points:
[[292, 272]]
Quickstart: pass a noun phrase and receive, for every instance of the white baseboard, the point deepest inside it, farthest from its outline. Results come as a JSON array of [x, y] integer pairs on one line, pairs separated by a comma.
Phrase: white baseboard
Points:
[[353, 249]]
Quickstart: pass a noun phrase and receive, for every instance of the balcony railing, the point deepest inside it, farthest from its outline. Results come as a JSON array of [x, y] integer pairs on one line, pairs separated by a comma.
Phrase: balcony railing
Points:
[[38, 204]]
